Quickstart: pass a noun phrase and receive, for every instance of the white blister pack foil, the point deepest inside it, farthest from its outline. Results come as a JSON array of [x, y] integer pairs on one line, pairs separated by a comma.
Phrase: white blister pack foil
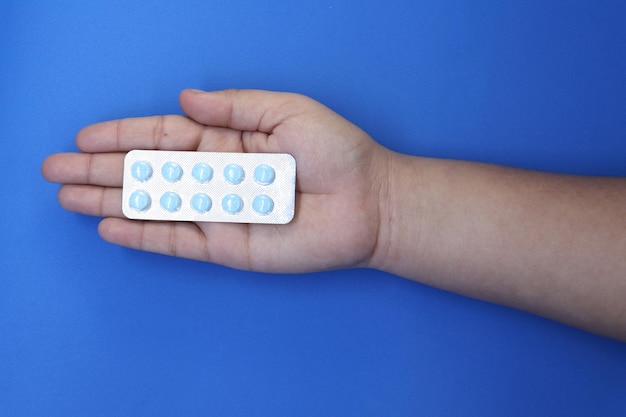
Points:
[[209, 186]]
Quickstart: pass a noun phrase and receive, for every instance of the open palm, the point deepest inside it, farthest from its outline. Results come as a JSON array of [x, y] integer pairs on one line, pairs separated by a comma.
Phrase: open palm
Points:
[[340, 173]]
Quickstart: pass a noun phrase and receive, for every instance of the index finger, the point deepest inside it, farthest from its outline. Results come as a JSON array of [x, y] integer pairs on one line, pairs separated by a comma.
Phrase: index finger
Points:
[[154, 132]]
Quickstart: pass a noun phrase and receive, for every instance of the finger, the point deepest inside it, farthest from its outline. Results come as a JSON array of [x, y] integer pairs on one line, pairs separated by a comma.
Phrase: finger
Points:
[[79, 168], [244, 110], [91, 200], [221, 243], [182, 239], [155, 132]]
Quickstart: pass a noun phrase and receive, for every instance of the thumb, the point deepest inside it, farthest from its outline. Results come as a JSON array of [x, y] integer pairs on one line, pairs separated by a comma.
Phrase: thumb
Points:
[[246, 110]]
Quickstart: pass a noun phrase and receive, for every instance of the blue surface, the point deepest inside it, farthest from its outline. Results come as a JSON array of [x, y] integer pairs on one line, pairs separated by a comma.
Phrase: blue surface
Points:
[[91, 329]]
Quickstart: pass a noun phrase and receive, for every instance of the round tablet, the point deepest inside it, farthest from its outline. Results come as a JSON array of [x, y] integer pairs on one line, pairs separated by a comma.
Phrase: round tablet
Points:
[[234, 174], [232, 204], [141, 171], [139, 200], [263, 204], [170, 201], [171, 171], [202, 172], [201, 203], [264, 174]]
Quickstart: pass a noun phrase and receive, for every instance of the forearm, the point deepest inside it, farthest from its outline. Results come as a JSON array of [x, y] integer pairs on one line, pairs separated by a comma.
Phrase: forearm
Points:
[[554, 245]]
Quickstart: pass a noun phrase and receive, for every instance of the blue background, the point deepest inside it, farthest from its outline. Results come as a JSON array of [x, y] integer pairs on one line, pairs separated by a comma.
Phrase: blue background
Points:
[[88, 328]]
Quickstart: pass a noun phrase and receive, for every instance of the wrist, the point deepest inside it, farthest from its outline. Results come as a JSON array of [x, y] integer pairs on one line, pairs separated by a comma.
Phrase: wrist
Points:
[[403, 197]]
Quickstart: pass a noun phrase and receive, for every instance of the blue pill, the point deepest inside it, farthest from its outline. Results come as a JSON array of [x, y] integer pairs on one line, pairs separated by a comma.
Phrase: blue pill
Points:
[[171, 171], [170, 201], [232, 204], [141, 171], [264, 174], [202, 172], [234, 174], [201, 203], [263, 204], [140, 201]]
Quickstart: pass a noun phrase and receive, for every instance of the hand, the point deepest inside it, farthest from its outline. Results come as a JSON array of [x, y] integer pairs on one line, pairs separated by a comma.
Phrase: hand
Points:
[[339, 180]]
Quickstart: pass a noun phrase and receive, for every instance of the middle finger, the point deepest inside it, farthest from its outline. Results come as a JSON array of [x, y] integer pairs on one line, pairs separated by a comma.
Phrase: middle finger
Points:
[[104, 169]]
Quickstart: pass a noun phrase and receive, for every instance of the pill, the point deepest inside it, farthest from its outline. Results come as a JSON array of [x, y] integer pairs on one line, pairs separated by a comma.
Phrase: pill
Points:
[[202, 172], [172, 172], [233, 174], [263, 204], [141, 171], [201, 202], [264, 174], [139, 200], [232, 204], [170, 201]]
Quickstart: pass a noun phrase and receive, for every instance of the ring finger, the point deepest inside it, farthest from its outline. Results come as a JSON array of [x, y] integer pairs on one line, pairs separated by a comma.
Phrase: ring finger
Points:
[[91, 200]]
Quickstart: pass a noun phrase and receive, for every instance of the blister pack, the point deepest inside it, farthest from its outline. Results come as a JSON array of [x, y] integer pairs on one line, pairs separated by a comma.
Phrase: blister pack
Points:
[[209, 186]]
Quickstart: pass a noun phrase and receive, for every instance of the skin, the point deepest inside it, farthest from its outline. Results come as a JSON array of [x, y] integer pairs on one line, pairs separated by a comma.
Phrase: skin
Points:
[[553, 245]]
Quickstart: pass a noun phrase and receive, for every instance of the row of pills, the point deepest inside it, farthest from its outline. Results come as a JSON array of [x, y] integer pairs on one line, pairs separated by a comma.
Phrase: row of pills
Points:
[[203, 173], [170, 201]]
